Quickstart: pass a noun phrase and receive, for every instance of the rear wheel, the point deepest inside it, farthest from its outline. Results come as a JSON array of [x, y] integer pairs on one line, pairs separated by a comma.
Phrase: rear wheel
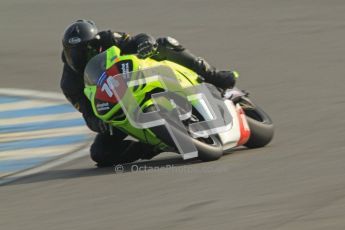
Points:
[[260, 124]]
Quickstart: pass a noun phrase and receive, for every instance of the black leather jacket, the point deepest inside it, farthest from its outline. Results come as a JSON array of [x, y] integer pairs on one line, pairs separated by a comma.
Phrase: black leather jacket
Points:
[[72, 83]]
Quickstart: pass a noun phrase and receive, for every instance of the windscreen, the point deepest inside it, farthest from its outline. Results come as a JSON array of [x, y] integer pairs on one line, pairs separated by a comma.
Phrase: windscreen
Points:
[[95, 69]]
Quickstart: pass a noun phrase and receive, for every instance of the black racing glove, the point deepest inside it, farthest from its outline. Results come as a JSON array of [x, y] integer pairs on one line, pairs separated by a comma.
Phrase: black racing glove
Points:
[[104, 127], [147, 48], [106, 39], [97, 125]]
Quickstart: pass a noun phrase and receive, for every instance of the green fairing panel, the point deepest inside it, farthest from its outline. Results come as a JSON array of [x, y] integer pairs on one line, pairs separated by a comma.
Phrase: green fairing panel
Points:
[[99, 64]]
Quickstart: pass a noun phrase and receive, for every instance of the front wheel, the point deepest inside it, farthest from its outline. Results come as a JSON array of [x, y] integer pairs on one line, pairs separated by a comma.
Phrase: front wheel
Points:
[[260, 124], [209, 149]]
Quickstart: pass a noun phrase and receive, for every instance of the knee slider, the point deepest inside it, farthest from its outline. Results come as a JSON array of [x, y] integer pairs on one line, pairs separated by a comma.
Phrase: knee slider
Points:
[[96, 153]]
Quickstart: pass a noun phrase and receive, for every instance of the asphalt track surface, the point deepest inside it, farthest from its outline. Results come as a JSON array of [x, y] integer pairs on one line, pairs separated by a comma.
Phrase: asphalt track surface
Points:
[[290, 55]]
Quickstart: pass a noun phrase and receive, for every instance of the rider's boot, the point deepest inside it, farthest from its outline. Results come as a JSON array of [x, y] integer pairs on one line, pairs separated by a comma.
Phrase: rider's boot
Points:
[[223, 79], [109, 150], [136, 151], [143, 151]]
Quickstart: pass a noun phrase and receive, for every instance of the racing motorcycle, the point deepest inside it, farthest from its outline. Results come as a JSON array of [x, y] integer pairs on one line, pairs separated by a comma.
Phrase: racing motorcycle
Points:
[[169, 107]]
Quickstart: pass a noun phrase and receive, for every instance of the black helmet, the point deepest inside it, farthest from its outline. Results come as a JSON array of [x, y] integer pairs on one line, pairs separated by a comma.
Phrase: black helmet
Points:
[[80, 43]]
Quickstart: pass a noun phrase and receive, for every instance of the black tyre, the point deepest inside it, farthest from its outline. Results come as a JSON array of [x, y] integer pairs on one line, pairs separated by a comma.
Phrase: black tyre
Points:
[[260, 124], [209, 149]]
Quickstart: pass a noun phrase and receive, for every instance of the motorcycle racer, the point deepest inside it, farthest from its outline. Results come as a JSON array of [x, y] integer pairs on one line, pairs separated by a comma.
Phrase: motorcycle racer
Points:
[[81, 41]]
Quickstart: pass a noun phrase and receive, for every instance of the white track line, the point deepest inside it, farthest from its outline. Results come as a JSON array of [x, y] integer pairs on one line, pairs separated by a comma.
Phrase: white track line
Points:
[[53, 96], [28, 104], [45, 166], [58, 132], [40, 151], [41, 118], [32, 94]]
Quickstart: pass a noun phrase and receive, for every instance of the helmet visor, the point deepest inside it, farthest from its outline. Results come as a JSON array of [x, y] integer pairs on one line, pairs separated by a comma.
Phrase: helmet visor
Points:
[[78, 56]]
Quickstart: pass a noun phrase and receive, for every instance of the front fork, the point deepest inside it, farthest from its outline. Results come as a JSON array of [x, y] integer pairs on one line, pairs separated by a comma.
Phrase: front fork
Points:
[[239, 132], [243, 125]]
